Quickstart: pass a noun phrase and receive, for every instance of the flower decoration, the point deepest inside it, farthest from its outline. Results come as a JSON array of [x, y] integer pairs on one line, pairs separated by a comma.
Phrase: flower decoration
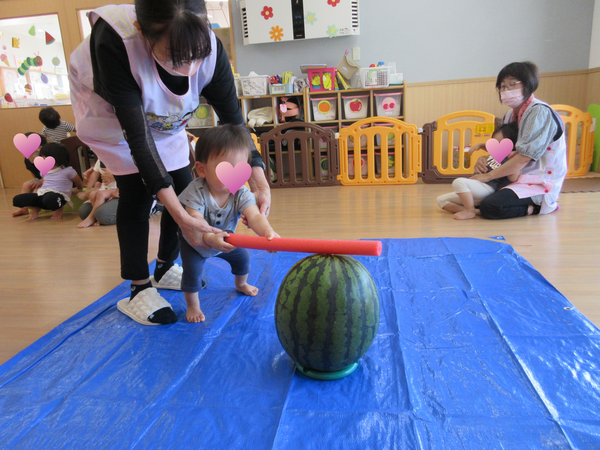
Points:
[[311, 18], [332, 31], [267, 12], [276, 33], [333, 3]]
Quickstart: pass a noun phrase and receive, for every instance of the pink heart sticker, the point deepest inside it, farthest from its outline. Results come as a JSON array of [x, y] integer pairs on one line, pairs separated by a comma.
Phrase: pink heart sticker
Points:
[[27, 144], [44, 165], [499, 150], [233, 178]]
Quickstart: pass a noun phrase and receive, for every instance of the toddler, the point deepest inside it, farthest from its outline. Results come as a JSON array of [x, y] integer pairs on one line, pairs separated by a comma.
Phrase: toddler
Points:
[[207, 199], [55, 191], [469, 193], [99, 193], [33, 184], [55, 130]]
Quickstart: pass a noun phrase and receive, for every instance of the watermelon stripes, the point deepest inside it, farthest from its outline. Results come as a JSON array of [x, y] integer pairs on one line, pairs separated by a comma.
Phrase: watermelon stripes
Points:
[[327, 312]]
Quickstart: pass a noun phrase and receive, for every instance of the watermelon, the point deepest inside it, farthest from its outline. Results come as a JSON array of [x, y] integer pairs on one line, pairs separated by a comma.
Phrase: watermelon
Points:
[[327, 312]]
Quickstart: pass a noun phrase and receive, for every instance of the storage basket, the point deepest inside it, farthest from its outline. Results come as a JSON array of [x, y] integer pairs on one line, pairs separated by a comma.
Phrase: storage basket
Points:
[[324, 108], [374, 77], [356, 106], [390, 135], [321, 79], [388, 104], [391, 165], [278, 89], [363, 165], [202, 117], [363, 138], [254, 86]]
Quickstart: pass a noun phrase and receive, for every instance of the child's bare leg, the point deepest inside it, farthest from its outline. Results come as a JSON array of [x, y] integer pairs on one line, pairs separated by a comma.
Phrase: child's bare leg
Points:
[[194, 314], [99, 199], [453, 207], [57, 214], [243, 287], [469, 206], [33, 213]]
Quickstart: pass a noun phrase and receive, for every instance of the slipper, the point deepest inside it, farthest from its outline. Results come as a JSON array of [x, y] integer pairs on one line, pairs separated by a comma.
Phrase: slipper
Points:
[[143, 305], [170, 280]]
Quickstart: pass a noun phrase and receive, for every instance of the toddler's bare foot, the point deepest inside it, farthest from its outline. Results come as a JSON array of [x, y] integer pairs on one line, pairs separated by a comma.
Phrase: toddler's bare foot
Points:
[[20, 212], [465, 214], [247, 289], [87, 222], [57, 214], [194, 314], [34, 213]]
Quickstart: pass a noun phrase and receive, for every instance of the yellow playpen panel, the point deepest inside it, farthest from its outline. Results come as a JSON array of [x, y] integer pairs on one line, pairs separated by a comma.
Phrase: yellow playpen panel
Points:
[[580, 139], [455, 132], [379, 150]]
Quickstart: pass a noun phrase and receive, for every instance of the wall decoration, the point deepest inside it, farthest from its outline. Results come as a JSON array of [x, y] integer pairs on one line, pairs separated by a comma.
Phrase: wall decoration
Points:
[[9, 99], [33, 73], [332, 31], [267, 12], [36, 62], [16, 42], [333, 3], [311, 18], [276, 33]]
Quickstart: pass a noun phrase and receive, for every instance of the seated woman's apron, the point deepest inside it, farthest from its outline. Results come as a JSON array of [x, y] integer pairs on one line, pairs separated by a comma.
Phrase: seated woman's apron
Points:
[[546, 175], [166, 113]]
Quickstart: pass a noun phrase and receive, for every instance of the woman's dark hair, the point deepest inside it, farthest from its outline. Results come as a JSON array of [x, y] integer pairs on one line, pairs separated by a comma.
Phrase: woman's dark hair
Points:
[[222, 139], [182, 23], [526, 72], [50, 117], [43, 140], [59, 152], [509, 130]]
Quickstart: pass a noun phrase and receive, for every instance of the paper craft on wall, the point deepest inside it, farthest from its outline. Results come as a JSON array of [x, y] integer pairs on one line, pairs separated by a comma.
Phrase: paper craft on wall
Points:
[[37, 62], [16, 43], [4, 59], [49, 38], [32, 30]]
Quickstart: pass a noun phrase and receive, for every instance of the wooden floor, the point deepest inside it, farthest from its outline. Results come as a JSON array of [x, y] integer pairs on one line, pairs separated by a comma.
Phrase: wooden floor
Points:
[[50, 270]]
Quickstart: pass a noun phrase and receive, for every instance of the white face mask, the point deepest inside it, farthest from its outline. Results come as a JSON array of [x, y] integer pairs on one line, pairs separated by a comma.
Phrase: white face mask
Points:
[[184, 70], [513, 98]]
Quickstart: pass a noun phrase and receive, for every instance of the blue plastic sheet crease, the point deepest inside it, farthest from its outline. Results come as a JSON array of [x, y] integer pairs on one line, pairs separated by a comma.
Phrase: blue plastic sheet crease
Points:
[[475, 350]]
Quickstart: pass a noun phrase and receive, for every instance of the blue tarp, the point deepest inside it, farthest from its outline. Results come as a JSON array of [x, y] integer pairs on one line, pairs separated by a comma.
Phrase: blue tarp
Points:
[[475, 350]]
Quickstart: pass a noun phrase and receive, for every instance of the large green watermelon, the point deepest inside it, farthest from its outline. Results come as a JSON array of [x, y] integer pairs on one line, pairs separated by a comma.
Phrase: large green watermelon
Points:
[[327, 312]]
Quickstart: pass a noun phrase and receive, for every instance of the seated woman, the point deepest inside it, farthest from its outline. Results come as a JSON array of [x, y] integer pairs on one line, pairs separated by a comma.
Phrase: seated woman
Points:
[[541, 157]]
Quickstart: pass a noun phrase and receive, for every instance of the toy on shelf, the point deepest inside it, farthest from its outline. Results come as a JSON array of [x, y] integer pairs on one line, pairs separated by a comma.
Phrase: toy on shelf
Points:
[[321, 79]]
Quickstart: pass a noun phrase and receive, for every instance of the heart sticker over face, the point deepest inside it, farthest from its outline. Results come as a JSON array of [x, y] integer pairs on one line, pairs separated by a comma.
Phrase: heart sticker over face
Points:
[[27, 144], [499, 150], [44, 165], [233, 177]]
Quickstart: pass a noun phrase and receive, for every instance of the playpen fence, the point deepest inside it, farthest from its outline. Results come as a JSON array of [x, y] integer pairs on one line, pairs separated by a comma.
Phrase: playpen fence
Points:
[[389, 142], [299, 154], [580, 139]]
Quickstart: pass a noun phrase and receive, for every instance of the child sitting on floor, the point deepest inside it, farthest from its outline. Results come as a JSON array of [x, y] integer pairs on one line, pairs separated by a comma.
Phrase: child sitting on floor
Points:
[[208, 199], [469, 193], [34, 184], [55, 130], [57, 184], [98, 192]]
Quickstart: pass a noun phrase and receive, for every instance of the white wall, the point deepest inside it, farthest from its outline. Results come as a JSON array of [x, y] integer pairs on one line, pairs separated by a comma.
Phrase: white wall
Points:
[[595, 44], [432, 40]]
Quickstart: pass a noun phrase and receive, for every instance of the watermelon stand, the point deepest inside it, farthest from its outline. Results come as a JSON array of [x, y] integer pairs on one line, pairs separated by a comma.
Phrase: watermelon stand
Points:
[[327, 307]]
